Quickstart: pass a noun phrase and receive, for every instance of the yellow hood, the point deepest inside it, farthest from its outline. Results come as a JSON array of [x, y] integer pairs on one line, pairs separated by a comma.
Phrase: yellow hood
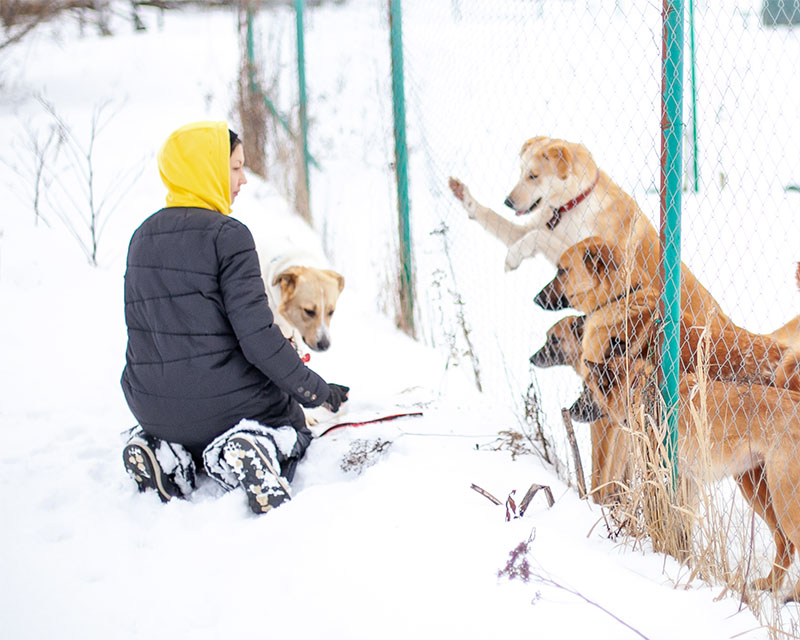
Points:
[[194, 164]]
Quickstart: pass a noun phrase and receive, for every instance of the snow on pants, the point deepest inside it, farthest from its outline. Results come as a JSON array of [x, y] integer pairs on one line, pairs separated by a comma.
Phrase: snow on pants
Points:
[[284, 445]]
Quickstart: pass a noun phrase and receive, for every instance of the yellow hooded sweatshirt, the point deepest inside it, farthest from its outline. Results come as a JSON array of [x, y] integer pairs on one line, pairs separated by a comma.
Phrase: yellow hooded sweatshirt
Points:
[[194, 164]]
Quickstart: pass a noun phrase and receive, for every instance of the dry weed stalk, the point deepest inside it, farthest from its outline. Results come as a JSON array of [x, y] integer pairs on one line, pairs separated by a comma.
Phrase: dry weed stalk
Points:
[[701, 521]]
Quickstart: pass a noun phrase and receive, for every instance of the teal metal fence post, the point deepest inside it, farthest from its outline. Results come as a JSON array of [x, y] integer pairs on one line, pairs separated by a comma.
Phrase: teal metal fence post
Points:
[[693, 61], [406, 319], [671, 135], [299, 6]]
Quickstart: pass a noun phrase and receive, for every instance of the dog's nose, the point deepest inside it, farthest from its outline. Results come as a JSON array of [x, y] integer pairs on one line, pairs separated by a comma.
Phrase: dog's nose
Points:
[[550, 303], [509, 202], [541, 299], [576, 411], [323, 344], [585, 409], [539, 358]]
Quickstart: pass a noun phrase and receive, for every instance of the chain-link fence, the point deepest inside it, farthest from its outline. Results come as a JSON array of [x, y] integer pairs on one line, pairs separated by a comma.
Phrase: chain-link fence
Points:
[[558, 102]]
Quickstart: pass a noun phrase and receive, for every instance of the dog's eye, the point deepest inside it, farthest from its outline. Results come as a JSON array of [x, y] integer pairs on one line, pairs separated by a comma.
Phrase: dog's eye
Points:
[[616, 347], [532, 176], [310, 313], [330, 313]]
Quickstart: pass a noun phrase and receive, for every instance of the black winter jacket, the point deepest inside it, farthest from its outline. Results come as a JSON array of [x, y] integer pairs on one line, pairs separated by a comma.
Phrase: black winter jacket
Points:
[[203, 352]]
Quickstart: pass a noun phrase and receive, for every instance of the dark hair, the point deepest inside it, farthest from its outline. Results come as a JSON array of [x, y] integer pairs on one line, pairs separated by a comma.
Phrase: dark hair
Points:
[[235, 140]]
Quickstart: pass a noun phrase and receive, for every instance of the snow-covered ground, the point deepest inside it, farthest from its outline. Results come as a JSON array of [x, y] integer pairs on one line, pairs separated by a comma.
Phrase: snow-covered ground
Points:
[[387, 544]]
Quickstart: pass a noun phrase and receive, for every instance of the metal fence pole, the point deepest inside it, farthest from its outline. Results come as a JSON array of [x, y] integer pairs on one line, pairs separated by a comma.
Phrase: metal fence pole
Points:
[[299, 6], [695, 171], [671, 135], [406, 316]]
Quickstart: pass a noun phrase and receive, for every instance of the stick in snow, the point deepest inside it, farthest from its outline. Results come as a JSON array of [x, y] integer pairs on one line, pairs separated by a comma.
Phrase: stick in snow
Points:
[[575, 452]]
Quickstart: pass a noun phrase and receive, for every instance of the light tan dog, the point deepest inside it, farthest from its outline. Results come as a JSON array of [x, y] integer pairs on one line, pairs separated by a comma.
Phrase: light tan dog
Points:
[[609, 464], [570, 199], [750, 432], [303, 297]]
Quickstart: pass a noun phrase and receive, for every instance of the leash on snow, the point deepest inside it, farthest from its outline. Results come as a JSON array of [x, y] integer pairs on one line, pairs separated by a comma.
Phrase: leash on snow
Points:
[[341, 425]]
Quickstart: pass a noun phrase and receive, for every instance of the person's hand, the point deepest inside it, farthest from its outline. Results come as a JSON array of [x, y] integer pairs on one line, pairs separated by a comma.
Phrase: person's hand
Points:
[[337, 397]]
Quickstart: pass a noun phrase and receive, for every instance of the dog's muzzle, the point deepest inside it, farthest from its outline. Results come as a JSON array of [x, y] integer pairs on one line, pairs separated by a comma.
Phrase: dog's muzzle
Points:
[[585, 409], [550, 302], [509, 202], [547, 356]]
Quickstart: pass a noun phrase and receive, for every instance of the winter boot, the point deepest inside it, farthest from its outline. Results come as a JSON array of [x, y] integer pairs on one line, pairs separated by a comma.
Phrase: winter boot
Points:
[[142, 465], [254, 462]]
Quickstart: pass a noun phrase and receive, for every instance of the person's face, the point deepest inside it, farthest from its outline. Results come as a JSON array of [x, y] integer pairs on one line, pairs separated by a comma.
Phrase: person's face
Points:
[[237, 171]]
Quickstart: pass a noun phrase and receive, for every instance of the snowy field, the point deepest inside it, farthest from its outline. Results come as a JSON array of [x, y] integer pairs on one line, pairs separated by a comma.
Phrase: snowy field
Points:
[[393, 544]]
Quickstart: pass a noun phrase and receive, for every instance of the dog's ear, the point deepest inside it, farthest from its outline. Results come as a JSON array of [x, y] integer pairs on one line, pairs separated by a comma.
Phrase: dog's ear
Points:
[[603, 374], [561, 156], [287, 280], [600, 257], [530, 143], [616, 347], [336, 276], [595, 368]]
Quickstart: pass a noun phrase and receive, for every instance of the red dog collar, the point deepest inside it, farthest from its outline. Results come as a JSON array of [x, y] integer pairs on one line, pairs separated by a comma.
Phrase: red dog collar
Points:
[[552, 223]]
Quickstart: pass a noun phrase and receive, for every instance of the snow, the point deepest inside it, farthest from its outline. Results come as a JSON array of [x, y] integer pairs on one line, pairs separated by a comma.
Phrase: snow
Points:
[[396, 547]]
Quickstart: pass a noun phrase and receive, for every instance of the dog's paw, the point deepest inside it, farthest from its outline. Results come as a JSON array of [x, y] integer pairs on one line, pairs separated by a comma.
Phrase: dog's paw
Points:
[[513, 260], [461, 192], [457, 187]]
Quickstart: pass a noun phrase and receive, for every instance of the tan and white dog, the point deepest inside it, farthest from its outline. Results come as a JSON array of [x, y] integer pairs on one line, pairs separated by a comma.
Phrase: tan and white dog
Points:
[[569, 199], [302, 292]]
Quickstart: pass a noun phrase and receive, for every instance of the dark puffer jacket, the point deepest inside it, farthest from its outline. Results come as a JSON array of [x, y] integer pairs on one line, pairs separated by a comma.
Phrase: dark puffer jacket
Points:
[[203, 352]]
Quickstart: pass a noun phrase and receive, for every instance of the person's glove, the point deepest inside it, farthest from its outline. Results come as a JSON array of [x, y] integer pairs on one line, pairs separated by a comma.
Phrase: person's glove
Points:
[[337, 397]]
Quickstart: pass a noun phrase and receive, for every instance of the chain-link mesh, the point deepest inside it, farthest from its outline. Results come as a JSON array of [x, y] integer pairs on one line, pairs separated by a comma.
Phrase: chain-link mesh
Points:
[[556, 103]]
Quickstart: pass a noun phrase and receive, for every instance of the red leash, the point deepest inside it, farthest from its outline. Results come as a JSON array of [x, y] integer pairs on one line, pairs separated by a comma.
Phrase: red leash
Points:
[[395, 416]]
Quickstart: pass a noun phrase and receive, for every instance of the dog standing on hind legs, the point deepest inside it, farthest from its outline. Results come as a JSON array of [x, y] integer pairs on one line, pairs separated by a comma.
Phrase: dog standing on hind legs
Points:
[[609, 459], [568, 198]]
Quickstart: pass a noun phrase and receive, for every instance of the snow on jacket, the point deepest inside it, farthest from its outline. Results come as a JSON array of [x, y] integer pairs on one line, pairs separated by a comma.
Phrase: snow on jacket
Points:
[[203, 352]]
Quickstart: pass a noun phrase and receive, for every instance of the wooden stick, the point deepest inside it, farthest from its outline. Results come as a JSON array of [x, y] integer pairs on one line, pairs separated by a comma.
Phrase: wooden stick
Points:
[[535, 488], [575, 452], [486, 494]]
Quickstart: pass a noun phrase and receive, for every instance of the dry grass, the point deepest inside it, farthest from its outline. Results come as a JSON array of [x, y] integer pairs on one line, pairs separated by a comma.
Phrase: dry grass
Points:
[[702, 522], [272, 139]]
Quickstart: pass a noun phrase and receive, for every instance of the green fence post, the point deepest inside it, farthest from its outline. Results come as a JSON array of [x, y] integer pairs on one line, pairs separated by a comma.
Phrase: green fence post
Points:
[[671, 131], [695, 171], [299, 6], [401, 167]]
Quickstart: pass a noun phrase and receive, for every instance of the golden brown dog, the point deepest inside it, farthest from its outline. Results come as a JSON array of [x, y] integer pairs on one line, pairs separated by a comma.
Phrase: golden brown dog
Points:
[[563, 344], [750, 432], [593, 272], [609, 465], [628, 326]]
